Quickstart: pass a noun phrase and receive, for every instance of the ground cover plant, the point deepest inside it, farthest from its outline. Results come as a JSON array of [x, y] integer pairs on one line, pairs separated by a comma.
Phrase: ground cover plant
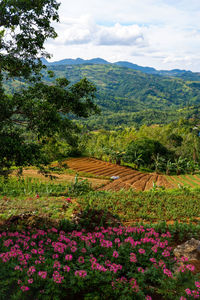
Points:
[[152, 206], [112, 263], [115, 262], [51, 199]]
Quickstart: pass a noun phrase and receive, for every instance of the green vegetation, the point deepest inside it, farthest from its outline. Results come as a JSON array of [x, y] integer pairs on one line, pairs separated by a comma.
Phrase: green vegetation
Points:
[[131, 98], [131, 206], [171, 149], [37, 114], [41, 121]]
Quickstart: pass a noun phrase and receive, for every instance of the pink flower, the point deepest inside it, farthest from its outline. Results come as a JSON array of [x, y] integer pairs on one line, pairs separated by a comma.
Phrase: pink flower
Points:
[[31, 270], [56, 264], [140, 270], [166, 253], [167, 272], [133, 257], [30, 280], [197, 283], [68, 257], [57, 277], [66, 268], [24, 288], [141, 251], [42, 274], [73, 249], [81, 273], [68, 200], [115, 254], [184, 258], [190, 267], [134, 285], [188, 292], [81, 260]]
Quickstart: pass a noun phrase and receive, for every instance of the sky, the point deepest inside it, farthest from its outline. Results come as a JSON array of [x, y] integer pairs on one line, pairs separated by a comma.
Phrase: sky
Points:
[[164, 34]]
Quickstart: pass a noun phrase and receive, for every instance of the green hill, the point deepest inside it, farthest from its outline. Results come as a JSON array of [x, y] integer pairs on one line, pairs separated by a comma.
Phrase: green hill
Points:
[[129, 97]]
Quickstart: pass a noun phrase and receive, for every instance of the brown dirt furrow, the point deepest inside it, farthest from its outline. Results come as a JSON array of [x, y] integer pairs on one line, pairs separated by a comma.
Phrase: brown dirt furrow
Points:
[[91, 166], [150, 182], [106, 172], [116, 185], [197, 178], [174, 182], [121, 173], [130, 176], [162, 181], [93, 169], [102, 168], [137, 177], [194, 179], [187, 182], [139, 185]]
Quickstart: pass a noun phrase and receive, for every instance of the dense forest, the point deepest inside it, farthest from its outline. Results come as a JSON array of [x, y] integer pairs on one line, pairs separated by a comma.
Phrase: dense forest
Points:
[[129, 97]]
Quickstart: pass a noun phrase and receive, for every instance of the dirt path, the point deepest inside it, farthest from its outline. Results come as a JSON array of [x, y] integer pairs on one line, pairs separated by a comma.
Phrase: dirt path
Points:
[[96, 182]]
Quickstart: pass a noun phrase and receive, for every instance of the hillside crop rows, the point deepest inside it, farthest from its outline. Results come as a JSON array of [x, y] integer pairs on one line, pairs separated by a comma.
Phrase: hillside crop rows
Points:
[[128, 178]]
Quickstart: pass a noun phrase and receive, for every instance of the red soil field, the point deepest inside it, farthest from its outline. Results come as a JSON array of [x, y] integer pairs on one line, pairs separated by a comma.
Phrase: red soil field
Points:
[[128, 178]]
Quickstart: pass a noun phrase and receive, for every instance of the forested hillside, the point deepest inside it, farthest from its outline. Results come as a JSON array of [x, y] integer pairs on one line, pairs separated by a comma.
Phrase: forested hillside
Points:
[[130, 97]]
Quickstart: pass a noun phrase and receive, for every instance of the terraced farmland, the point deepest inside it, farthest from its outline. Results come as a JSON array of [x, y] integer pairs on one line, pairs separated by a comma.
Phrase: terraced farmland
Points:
[[128, 178], [187, 180]]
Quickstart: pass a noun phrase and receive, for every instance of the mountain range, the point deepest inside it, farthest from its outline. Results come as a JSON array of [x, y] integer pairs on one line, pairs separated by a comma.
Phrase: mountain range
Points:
[[184, 74], [128, 94]]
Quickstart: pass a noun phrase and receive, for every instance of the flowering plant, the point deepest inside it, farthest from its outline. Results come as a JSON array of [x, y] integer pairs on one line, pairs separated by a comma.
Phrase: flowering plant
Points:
[[113, 263]]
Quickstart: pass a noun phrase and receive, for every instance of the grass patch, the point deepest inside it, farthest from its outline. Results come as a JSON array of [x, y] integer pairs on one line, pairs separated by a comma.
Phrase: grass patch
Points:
[[30, 186]]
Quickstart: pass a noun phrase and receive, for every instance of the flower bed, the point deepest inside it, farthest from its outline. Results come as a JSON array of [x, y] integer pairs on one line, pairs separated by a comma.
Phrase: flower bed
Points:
[[113, 263]]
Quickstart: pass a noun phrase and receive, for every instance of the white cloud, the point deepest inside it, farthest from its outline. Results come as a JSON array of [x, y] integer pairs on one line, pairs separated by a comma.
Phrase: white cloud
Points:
[[120, 35], [160, 33], [84, 31]]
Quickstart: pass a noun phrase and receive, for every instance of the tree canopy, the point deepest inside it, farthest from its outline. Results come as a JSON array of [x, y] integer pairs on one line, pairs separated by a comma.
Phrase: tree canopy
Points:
[[24, 27], [38, 111]]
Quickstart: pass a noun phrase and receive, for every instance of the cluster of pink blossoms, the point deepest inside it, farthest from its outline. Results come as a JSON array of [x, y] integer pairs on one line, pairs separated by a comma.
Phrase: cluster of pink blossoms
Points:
[[42, 255]]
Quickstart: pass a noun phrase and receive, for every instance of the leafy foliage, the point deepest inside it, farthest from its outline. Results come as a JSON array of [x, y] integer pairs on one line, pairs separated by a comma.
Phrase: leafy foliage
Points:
[[32, 116], [172, 148], [146, 150], [25, 25]]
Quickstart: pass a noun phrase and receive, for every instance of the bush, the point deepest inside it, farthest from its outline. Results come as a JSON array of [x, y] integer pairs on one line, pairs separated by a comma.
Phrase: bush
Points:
[[79, 187], [143, 150]]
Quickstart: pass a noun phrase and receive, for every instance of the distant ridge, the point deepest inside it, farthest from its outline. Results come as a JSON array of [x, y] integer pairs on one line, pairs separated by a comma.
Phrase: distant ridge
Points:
[[187, 75], [77, 61]]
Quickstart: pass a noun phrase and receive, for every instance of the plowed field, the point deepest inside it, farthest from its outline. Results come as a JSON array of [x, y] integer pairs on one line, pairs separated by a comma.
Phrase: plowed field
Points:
[[128, 178]]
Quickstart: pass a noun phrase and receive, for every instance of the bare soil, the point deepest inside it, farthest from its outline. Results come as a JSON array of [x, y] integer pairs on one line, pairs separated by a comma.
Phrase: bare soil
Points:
[[128, 178]]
